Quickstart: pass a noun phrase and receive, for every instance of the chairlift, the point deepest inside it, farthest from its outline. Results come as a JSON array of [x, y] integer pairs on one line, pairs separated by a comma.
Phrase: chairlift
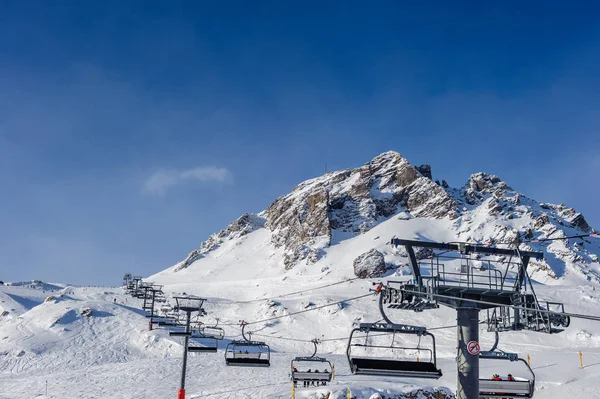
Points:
[[201, 343], [212, 331], [169, 321], [517, 388], [301, 371], [247, 353], [205, 338], [389, 364]]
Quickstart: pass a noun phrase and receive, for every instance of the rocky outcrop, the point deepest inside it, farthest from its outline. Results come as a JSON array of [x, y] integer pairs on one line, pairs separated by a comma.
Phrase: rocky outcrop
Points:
[[352, 201], [425, 170], [300, 223], [480, 184], [370, 264]]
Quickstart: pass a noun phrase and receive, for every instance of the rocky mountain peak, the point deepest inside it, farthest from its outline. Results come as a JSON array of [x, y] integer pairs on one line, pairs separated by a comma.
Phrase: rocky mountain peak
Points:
[[480, 184], [352, 201], [305, 222]]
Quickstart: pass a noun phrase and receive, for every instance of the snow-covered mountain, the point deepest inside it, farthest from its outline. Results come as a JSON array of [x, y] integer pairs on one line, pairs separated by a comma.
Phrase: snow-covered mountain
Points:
[[303, 226]]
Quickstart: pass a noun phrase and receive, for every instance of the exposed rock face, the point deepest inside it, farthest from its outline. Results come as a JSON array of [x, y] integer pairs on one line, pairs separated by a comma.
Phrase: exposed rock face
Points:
[[370, 264], [300, 223], [480, 184], [352, 201], [425, 170]]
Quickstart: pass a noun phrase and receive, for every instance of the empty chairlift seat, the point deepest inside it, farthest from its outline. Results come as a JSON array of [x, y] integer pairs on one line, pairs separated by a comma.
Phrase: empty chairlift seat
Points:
[[200, 342], [212, 332], [379, 354]]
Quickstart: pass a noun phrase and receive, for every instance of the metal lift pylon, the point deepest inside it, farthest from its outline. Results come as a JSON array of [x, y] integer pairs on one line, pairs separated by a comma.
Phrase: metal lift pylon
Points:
[[468, 292]]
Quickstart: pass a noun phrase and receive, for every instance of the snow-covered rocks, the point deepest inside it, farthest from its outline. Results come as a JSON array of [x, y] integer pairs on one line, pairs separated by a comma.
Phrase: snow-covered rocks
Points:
[[370, 264], [87, 312]]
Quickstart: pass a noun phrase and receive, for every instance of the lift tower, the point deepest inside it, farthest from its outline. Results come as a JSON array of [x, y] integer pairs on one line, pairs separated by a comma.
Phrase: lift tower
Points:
[[463, 277]]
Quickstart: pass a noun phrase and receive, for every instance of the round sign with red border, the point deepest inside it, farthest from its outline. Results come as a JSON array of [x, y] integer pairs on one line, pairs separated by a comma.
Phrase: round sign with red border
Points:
[[473, 347]]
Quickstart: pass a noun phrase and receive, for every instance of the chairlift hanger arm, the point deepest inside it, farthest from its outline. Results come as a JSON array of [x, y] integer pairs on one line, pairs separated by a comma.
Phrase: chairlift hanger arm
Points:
[[414, 265]]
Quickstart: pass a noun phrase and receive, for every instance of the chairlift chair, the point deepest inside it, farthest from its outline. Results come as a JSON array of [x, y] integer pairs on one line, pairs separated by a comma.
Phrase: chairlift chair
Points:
[[391, 366], [520, 388], [209, 331], [212, 332], [247, 353], [299, 366], [205, 338], [200, 343]]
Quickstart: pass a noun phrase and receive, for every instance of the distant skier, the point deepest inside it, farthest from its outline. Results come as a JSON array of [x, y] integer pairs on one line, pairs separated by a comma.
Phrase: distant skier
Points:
[[115, 300]]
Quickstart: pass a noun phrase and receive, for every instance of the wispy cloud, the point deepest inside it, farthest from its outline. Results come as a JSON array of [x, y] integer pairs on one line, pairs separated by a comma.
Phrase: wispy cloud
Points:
[[159, 182]]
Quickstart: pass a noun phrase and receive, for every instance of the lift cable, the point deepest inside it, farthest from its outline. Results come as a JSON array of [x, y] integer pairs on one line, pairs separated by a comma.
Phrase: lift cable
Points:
[[303, 311], [299, 292]]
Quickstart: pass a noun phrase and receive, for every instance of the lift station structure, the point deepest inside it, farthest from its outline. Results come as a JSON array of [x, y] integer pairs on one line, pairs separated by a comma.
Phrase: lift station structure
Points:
[[470, 278]]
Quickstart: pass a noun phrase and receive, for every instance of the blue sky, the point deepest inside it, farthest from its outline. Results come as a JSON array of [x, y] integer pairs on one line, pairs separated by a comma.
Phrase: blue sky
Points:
[[131, 130]]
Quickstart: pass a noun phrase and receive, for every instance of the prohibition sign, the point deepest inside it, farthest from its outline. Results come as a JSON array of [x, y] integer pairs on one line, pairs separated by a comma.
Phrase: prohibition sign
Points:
[[473, 347]]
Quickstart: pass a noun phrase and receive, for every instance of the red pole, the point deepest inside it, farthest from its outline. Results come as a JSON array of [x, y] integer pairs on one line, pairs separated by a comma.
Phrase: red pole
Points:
[[181, 394]]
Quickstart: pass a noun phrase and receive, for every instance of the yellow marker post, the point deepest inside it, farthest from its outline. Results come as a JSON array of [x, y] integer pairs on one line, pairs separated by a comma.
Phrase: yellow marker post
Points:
[[349, 396], [528, 360], [293, 391], [417, 359], [580, 360]]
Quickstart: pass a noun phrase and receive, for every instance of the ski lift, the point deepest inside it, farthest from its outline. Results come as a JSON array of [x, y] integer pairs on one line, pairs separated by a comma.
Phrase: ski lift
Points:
[[212, 331], [302, 372], [168, 322], [517, 388], [247, 353], [200, 343], [204, 339], [389, 365]]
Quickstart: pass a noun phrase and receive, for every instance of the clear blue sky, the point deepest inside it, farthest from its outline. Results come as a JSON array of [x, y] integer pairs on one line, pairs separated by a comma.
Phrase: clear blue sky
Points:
[[131, 130]]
